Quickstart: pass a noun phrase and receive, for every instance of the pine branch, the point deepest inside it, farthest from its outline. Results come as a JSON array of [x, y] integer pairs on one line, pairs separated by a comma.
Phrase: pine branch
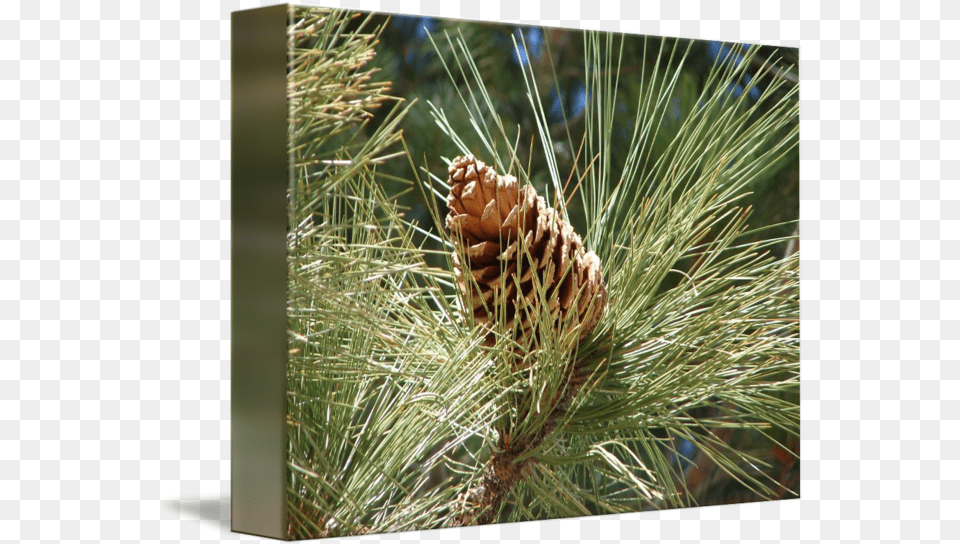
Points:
[[506, 467], [407, 412], [705, 350]]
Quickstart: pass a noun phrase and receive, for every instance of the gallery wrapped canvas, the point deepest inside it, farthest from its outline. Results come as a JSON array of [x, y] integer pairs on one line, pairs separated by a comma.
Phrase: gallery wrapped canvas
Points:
[[487, 273]]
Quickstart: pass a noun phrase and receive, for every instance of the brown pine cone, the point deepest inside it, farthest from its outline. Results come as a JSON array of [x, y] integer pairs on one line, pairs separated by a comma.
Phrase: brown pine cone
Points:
[[507, 244]]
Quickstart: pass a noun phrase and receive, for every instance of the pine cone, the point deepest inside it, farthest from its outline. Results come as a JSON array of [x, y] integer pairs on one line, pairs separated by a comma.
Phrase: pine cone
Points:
[[507, 242]]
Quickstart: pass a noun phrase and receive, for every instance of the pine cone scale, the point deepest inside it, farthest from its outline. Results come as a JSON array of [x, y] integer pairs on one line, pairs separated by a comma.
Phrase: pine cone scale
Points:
[[516, 248]]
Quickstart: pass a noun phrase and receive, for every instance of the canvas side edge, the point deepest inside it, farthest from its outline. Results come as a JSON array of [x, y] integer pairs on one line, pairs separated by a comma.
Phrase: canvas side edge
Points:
[[259, 179]]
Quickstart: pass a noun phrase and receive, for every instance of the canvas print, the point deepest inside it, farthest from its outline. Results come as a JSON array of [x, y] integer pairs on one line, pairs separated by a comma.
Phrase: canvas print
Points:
[[535, 273]]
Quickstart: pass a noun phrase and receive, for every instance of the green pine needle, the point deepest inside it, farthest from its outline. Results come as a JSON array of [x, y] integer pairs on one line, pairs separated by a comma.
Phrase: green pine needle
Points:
[[394, 404]]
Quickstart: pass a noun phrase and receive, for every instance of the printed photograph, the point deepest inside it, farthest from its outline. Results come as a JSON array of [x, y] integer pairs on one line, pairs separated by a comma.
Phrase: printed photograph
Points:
[[536, 273]]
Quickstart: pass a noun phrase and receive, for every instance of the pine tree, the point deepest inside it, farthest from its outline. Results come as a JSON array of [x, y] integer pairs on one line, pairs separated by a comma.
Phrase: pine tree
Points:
[[649, 355]]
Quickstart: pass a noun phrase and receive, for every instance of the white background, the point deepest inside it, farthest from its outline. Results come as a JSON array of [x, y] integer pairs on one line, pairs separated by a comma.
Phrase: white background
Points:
[[115, 252]]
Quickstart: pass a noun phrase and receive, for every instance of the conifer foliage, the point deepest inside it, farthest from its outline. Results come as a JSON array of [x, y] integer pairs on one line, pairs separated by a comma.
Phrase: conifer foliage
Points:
[[502, 309]]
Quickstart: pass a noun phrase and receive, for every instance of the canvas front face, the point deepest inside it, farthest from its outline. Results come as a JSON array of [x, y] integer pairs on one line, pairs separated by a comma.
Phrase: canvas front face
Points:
[[534, 273]]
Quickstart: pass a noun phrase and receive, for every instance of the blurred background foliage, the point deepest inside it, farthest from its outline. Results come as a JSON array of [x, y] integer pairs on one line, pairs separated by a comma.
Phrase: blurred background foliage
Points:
[[407, 59]]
